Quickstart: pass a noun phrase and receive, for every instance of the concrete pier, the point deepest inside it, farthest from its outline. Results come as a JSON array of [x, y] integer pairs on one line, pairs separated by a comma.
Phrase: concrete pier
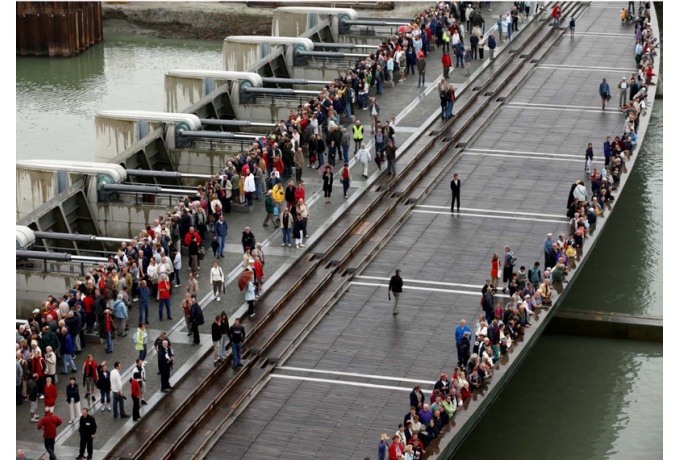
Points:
[[607, 325]]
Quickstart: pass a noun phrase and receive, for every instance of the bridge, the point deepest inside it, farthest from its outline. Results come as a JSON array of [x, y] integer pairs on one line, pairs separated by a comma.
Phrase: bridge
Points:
[[327, 367]]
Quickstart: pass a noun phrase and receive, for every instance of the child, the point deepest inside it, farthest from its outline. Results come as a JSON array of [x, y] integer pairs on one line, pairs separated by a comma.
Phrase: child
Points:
[[572, 25]]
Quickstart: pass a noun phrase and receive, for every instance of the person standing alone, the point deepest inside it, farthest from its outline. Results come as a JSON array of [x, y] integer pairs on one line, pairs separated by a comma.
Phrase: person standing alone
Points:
[[395, 288], [455, 192], [87, 430]]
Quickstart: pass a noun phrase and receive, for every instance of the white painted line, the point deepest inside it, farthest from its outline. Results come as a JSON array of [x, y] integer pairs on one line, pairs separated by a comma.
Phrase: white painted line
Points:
[[578, 67], [341, 382], [589, 107], [492, 217], [352, 374], [528, 157], [406, 129], [439, 283], [604, 34], [520, 152], [594, 110], [490, 210], [429, 289]]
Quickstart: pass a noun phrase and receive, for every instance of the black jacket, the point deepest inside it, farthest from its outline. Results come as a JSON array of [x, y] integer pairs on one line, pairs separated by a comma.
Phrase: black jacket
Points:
[[88, 426], [248, 240], [237, 334], [72, 393], [216, 332], [396, 284], [455, 188], [414, 398]]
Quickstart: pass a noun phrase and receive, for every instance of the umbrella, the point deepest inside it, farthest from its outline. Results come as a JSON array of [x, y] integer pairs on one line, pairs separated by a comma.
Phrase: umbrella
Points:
[[243, 279], [322, 169], [404, 29]]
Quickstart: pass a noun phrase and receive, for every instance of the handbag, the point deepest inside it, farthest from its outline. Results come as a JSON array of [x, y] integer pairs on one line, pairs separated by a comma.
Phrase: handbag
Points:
[[276, 211], [609, 97]]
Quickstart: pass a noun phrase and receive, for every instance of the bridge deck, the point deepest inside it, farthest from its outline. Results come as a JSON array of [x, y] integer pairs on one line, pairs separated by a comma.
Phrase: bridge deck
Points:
[[349, 379]]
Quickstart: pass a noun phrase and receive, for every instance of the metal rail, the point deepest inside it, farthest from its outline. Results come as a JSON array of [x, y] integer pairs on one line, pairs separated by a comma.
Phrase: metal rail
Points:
[[338, 253]]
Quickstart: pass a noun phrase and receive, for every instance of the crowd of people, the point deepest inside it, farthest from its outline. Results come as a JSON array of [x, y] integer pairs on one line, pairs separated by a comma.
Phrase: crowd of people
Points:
[[499, 326]]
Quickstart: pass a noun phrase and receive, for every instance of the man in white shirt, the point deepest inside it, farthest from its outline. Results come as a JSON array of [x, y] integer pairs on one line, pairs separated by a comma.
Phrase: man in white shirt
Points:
[[117, 390]]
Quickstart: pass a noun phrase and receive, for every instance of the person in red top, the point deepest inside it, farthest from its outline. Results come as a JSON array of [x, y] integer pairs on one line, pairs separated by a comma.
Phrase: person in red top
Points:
[[88, 304], [278, 165], [38, 367], [192, 233], [108, 331], [396, 449], [299, 192], [446, 63], [164, 297], [50, 392], [49, 424], [259, 275], [135, 390], [90, 376]]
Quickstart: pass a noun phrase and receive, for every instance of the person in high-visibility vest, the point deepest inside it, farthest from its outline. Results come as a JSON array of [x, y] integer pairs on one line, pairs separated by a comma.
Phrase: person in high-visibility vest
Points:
[[358, 131]]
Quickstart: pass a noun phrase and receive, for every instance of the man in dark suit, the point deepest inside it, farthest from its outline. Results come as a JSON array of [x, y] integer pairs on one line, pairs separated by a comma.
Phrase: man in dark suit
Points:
[[455, 191]]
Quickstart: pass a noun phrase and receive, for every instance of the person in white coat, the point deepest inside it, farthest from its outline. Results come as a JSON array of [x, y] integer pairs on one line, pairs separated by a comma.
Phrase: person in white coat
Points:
[[363, 157], [249, 188], [216, 278]]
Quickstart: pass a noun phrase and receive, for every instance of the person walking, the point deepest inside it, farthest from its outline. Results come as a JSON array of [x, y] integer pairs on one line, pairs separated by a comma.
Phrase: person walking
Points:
[[508, 264], [374, 110], [217, 275], [73, 400], [221, 228], [117, 389], [358, 134], [421, 65], [455, 192], [391, 155], [395, 288], [196, 318], [237, 335], [216, 333], [49, 424], [269, 207], [604, 91], [141, 339], [446, 63], [328, 183], [444, 100], [364, 157], [468, 61], [346, 179], [50, 394], [87, 428]]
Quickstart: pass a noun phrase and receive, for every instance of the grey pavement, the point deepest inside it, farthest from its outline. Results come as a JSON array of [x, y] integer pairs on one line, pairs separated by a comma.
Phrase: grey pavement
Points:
[[409, 104]]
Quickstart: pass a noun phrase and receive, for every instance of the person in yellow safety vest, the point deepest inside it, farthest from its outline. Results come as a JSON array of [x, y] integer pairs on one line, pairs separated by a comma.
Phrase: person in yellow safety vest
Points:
[[358, 131], [446, 38]]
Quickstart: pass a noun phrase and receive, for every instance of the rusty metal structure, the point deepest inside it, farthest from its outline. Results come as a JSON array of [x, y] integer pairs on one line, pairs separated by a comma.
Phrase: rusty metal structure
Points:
[[57, 29]]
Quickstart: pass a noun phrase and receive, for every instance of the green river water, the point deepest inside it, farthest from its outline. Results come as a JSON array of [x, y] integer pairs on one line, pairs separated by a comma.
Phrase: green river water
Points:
[[573, 398]]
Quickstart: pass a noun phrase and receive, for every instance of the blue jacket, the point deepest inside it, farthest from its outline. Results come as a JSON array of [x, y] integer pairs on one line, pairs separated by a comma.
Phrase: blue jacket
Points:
[[604, 88], [460, 331], [221, 228], [120, 309], [143, 294], [607, 149], [69, 346]]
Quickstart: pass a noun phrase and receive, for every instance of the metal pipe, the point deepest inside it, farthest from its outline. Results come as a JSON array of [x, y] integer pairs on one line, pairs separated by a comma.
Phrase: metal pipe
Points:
[[239, 123], [64, 236], [345, 45], [173, 174], [153, 189], [330, 54], [218, 135], [376, 23], [58, 256], [294, 81], [281, 91]]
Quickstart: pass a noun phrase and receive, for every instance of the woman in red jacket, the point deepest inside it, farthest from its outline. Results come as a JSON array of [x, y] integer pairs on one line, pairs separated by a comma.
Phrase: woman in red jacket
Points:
[[90, 377], [50, 392], [299, 192], [396, 449], [38, 367]]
